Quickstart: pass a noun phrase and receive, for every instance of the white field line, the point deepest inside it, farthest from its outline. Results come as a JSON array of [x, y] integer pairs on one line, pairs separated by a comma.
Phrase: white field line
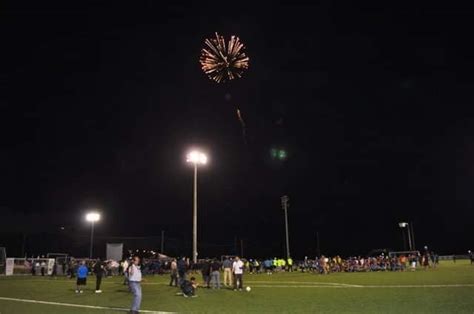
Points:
[[271, 284], [299, 284], [296, 284], [79, 305], [293, 282], [422, 286], [367, 286], [302, 286], [344, 285], [304, 283]]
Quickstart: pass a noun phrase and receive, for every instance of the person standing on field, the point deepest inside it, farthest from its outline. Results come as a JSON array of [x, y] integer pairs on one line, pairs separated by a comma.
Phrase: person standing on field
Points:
[[227, 265], [182, 269], [174, 273], [289, 264], [82, 272], [99, 272], [134, 280], [238, 271], [43, 268], [215, 274], [206, 273]]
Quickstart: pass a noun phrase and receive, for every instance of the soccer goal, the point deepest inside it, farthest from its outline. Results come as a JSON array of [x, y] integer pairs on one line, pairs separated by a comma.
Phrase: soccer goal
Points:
[[29, 266], [61, 261], [403, 253]]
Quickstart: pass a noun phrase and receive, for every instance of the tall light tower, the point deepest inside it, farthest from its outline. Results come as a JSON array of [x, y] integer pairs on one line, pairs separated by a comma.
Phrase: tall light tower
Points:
[[92, 217], [284, 205], [196, 158], [404, 225]]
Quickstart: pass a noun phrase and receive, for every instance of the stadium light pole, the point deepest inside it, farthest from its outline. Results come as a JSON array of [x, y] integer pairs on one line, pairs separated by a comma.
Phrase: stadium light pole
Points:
[[196, 158], [412, 236], [404, 225], [284, 205], [92, 217]]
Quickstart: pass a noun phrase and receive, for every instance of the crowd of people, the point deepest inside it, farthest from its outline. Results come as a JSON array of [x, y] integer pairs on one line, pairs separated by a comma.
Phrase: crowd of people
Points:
[[179, 270], [326, 265], [210, 270], [183, 272], [132, 273], [110, 267], [322, 265]]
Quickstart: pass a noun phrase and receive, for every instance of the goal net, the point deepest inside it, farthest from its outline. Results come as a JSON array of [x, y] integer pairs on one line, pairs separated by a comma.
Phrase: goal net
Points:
[[61, 262], [29, 266]]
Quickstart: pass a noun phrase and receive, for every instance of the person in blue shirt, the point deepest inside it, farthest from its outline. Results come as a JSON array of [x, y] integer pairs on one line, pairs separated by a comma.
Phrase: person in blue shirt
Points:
[[267, 264], [82, 272]]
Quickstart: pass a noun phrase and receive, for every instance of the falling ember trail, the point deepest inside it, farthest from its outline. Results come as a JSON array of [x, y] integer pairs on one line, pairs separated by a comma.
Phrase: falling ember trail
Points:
[[242, 123]]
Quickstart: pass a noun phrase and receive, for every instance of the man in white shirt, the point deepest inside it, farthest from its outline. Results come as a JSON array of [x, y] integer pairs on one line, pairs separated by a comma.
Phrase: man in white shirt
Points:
[[134, 279], [238, 271], [174, 273]]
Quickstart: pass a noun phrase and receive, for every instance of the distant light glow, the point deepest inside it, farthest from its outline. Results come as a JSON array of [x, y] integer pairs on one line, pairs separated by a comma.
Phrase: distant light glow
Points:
[[197, 157], [403, 224], [278, 153], [93, 217]]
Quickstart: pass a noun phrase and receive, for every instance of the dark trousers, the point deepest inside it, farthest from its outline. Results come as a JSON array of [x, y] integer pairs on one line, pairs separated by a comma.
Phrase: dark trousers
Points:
[[174, 279], [207, 279], [98, 282], [182, 277], [238, 281]]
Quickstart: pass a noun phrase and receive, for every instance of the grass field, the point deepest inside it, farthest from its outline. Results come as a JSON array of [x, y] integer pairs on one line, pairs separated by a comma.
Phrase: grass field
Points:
[[447, 289]]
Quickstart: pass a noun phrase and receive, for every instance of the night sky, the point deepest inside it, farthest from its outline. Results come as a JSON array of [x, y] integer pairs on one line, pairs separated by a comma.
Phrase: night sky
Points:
[[100, 102]]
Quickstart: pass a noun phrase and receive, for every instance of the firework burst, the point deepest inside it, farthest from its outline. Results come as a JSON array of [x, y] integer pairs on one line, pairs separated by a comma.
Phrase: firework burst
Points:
[[223, 61]]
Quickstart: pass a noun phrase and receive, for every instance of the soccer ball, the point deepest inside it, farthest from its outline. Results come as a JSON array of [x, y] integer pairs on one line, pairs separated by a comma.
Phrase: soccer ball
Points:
[[248, 289]]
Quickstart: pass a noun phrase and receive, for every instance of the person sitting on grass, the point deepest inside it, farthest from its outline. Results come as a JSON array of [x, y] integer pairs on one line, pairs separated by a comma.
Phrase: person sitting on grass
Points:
[[188, 288], [82, 272]]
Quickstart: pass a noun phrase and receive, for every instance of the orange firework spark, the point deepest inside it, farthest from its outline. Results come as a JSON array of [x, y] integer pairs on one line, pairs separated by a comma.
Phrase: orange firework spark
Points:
[[223, 61]]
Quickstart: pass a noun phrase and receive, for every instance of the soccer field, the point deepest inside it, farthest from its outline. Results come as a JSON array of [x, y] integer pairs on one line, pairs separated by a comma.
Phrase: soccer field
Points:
[[447, 289]]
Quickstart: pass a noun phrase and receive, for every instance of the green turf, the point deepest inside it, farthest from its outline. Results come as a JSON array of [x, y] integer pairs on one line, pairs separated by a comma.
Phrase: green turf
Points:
[[278, 293]]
